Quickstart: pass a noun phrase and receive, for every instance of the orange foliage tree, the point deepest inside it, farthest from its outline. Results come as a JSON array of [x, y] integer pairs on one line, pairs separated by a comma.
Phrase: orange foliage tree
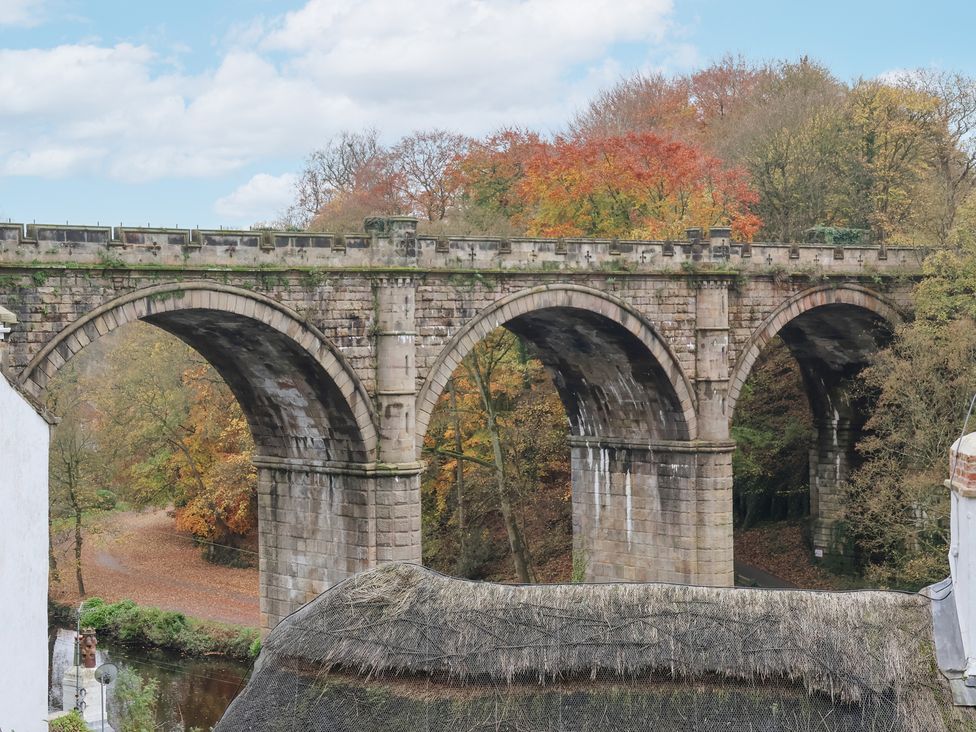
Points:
[[490, 173], [637, 185], [216, 480]]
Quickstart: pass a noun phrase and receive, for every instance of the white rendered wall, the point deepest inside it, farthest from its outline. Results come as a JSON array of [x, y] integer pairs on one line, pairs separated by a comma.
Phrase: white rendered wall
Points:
[[24, 437], [962, 552]]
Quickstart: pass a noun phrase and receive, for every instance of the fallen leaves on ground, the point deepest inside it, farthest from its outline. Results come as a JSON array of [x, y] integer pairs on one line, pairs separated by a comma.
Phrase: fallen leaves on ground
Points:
[[140, 556]]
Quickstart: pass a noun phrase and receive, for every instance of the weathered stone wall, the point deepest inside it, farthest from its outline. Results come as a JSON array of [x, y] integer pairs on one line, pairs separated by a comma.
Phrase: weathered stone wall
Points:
[[339, 348], [831, 457], [661, 513], [447, 301], [47, 299], [314, 530]]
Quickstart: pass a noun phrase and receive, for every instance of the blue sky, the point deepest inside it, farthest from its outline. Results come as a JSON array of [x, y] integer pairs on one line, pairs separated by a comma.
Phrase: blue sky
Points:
[[199, 114]]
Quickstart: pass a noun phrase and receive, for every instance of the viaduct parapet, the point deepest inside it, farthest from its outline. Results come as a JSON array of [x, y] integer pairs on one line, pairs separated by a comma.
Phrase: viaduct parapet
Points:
[[339, 347], [394, 242]]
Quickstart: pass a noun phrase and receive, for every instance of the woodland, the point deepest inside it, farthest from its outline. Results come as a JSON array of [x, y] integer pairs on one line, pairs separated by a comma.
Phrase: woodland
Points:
[[779, 152]]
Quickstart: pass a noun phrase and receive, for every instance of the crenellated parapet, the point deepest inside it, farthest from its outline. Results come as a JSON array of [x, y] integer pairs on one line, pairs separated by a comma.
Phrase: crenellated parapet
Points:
[[393, 243]]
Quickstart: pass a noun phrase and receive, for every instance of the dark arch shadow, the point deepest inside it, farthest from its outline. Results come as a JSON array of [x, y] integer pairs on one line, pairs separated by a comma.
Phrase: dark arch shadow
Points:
[[301, 399], [615, 375]]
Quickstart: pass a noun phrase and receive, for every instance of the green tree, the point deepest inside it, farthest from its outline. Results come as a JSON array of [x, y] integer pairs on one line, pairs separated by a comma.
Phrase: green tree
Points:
[[898, 507], [789, 134], [772, 429], [74, 463], [71, 722]]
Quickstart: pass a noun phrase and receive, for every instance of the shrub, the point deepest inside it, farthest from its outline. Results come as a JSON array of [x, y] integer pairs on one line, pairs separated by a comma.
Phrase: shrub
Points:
[[135, 702], [72, 722], [107, 500], [95, 613], [134, 625]]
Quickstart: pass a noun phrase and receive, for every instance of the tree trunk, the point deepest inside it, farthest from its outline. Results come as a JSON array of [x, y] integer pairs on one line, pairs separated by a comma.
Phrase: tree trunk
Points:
[[751, 501], [52, 561], [519, 555], [459, 475], [78, 540]]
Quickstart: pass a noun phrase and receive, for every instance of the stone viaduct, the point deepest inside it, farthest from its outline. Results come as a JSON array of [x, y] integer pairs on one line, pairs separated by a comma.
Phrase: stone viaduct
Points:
[[338, 348]]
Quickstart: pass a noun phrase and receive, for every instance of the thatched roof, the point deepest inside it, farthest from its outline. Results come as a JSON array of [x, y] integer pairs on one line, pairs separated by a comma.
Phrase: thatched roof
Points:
[[392, 628]]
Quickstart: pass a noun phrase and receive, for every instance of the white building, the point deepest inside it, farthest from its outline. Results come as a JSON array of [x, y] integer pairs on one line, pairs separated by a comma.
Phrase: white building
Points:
[[24, 437]]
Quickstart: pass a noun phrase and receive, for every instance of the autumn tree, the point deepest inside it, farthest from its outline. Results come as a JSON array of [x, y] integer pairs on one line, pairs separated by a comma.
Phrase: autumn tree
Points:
[[892, 130], [354, 176], [952, 141], [693, 108], [74, 463], [332, 172], [789, 136], [497, 450], [217, 482], [374, 191], [897, 507], [163, 428], [181, 438], [140, 410], [633, 186], [422, 165], [720, 90], [922, 383], [489, 175], [641, 104]]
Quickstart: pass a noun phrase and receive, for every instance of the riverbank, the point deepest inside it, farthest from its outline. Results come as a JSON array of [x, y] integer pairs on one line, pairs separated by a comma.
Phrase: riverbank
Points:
[[130, 624]]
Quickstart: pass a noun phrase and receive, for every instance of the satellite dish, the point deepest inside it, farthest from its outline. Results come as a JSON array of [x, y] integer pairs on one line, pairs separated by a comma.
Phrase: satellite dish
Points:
[[106, 673]]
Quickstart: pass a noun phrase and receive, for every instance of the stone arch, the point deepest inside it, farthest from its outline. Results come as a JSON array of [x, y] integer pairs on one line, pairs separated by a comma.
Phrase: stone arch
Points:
[[650, 374], [300, 396], [832, 332], [849, 297]]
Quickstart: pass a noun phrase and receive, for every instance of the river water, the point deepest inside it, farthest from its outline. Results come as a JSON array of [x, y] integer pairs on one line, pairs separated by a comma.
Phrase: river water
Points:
[[193, 692]]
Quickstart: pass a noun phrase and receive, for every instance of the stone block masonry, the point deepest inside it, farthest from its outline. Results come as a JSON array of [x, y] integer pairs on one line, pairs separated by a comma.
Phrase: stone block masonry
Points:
[[339, 347]]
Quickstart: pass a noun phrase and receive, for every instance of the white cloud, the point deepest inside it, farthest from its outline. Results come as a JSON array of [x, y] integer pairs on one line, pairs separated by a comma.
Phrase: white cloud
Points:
[[463, 60], [52, 162], [21, 12], [469, 65], [259, 199]]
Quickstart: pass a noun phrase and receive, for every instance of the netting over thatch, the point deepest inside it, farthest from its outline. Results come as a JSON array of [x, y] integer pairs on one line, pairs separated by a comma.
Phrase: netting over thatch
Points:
[[401, 647]]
